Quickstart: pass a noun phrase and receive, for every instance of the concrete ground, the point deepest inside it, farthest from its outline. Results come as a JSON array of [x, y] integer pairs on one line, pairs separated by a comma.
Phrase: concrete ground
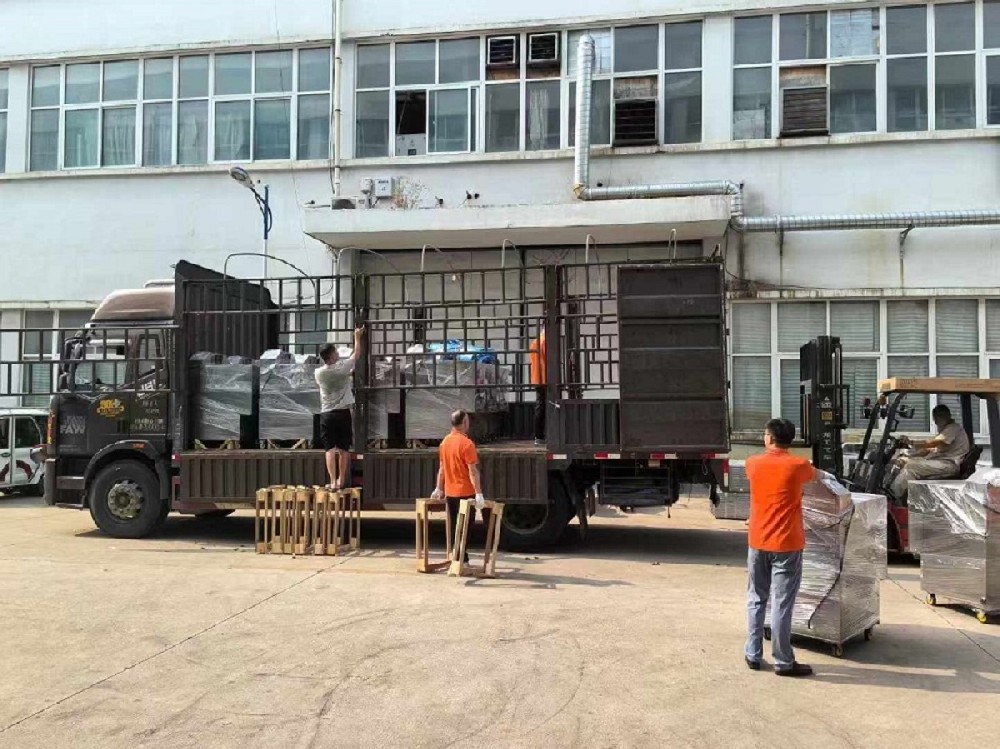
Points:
[[192, 640]]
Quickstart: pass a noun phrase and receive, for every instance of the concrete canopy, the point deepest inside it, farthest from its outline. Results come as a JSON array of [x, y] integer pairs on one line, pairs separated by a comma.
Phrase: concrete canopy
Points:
[[609, 222]]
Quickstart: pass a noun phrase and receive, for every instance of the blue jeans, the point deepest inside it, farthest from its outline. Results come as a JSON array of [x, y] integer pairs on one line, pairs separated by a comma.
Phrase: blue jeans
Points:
[[779, 573]]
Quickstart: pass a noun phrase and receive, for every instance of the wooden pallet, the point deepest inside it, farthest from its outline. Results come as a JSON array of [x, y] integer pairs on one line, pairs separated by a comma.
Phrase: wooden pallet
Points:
[[458, 567], [424, 509]]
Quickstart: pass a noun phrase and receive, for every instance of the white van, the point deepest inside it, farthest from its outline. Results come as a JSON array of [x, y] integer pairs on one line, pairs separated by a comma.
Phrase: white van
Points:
[[21, 431]]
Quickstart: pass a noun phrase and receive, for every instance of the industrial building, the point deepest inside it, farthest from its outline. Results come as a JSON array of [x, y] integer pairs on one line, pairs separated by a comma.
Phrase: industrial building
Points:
[[456, 129]]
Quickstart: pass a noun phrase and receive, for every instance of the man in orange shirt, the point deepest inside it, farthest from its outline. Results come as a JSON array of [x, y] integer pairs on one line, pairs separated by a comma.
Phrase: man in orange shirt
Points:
[[536, 358], [458, 477], [776, 540]]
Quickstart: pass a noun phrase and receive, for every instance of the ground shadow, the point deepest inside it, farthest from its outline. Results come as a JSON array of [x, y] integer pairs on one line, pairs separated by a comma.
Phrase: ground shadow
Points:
[[19, 501], [515, 578]]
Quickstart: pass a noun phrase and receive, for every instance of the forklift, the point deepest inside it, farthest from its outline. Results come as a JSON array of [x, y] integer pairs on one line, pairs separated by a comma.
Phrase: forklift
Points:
[[823, 397]]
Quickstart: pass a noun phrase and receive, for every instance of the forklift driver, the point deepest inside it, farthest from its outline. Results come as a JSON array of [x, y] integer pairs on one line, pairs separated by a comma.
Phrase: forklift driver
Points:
[[938, 458]]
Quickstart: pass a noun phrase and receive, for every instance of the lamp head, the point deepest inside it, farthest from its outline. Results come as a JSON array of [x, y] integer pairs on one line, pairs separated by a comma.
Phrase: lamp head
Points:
[[242, 176]]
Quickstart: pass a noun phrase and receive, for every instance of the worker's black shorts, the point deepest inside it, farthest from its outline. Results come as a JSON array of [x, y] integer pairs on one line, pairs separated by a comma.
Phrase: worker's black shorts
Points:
[[336, 429]]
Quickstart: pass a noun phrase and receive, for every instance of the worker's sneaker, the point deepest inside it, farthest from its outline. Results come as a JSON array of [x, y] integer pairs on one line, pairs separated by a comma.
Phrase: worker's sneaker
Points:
[[796, 669], [752, 665]]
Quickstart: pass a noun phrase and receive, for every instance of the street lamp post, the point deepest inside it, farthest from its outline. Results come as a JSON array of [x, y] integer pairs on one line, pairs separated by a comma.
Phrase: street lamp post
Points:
[[242, 176]]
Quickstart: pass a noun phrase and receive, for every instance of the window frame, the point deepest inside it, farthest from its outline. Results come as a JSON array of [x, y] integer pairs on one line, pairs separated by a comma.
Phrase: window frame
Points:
[[985, 355], [4, 109], [139, 103]]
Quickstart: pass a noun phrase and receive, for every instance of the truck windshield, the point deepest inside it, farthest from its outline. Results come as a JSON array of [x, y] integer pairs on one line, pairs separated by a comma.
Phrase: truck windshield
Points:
[[101, 360]]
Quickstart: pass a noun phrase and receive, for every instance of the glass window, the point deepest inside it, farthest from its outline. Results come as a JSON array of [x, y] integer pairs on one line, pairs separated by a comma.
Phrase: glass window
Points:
[[861, 377], [854, 33], [962, 367], [232, 75], [272, 126], [118, 137], [4, 85], [373, 66], [372, 125], [682, 45], [232, 131], [38, 341], [993, 90], [955, 92], [503, 117], [906, 30], [751, 392], [415, 63], [543, 115], [192, 132], [158, 79], [752, 40], [45, 86], [602, 50], [449, 121], [751, 329], [82, 138], [314, 127], [954, 27], [799, 323], [44, 140], [273, 72], [459, 60], [991, 23], [314, 70], [803, 36], [906, 83], [121, 80], [856, 324], [956, 324], [751, 103], [682, 108], [636, 48], [912, 366], [600, 113], [791, 399], [3, 142], [993, 325], [907, 323], [157, 124], [852, 98], [193, 77], [26, 433], [83, 83]]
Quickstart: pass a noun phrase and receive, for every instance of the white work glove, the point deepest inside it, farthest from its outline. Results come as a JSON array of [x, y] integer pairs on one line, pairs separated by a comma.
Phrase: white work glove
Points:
[[480, 501], [437, 495]]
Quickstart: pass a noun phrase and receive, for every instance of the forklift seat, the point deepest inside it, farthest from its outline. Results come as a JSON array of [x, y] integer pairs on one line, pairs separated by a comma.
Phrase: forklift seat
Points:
[[968, 466]]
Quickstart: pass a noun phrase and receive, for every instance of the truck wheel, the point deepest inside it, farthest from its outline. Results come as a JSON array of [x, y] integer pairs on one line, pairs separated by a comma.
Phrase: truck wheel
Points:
[[125, 500], [528, 527]]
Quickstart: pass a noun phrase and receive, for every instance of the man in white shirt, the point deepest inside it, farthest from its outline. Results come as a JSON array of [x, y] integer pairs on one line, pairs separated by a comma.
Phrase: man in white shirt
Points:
[[939, 457], [335, 379]]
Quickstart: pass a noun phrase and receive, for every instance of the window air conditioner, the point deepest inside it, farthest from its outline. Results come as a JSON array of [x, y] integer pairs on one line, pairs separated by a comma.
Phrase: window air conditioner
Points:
[[804, 112], [501, 51], [543, 49]]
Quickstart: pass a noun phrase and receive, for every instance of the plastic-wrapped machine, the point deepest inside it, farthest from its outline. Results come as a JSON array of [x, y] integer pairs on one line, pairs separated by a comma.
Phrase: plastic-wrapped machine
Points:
[[289, 399], [383, 399], [224, 400], [428, 408], [955, 528], [735, 503], [843, 564]]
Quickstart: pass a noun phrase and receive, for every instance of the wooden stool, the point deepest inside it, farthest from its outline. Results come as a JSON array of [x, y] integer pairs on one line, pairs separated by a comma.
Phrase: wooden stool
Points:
[[458, 567], [260, 520], [347, 518], [322, 522], [424, 509], [301, 531], [282, 509]]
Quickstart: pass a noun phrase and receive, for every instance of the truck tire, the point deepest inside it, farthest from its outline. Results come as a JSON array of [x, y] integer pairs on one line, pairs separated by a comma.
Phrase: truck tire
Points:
[[125, 500], [530, 527]]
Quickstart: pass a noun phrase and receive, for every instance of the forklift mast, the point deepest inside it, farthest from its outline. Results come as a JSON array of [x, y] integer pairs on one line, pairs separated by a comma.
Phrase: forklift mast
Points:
[[823, 395]]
